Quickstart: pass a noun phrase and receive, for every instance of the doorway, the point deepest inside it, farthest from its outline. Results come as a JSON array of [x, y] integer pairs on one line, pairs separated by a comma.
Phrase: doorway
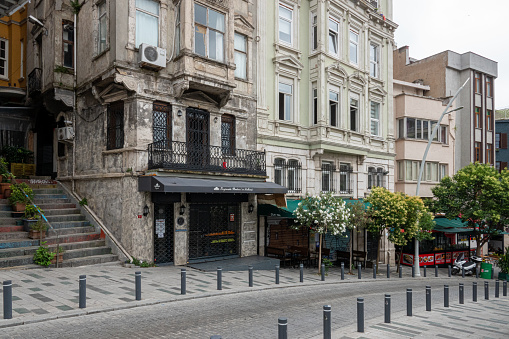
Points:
[[163, 233]]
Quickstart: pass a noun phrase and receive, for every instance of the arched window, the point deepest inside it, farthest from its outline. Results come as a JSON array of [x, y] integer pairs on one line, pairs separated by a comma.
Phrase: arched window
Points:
[[279, 165]]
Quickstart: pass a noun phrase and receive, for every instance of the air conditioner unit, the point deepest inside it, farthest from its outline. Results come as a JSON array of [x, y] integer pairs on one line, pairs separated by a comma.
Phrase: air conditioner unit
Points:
[[152, 57], [65, 133], [374, 3]]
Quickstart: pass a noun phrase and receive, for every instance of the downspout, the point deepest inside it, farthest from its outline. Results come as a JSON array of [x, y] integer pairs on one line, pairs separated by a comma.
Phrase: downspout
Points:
[[73, 185]]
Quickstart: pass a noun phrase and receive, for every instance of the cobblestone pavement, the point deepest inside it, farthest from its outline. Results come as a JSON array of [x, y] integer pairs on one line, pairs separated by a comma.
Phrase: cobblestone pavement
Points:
[[46, 303]]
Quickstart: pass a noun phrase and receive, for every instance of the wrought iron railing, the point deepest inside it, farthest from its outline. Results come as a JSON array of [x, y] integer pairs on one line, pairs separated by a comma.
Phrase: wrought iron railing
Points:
[[185, 156], [35, 81], [288, 174]]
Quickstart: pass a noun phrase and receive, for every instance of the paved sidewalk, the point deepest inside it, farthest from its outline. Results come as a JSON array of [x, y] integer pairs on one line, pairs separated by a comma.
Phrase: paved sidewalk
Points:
[[43, 294], [483, 319]]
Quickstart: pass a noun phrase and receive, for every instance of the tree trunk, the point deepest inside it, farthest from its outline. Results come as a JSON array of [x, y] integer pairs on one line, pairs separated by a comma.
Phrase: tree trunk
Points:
[[320, 255], [377, 251], [400, 256]]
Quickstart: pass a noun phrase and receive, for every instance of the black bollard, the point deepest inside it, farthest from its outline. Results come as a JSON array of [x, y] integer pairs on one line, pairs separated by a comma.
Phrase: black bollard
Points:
[[449, 271], [428, 298], [504, 288], [476, 273], [492, 274], [183, 281], [462, 294], [282, 328], [409, 302], [323, 272], [388, 271], [301, 273], [486, 290], [137, 283], [220, 278], [7, 292], [359, 271], [413, 271], [446, 295], [342, 271], [216, 337], [277, 275], [400, 271], [497, 289], [474, 291], [360, 314], [83, 291], [387, 312], [327, 323], [463, 272], [436, 271], [374, 271], [424, 271], [250, 268]]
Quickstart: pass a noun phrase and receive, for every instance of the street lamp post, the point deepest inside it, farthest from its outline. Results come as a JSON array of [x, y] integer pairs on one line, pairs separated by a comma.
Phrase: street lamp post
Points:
[[417, 267]]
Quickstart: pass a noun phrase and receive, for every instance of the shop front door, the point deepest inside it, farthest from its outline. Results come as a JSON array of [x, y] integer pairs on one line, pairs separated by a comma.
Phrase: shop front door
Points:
[[163, 233], [213, 230]]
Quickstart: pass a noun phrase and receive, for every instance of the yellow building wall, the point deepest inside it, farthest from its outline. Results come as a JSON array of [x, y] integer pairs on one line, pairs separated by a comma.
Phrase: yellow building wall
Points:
[[14, 29]]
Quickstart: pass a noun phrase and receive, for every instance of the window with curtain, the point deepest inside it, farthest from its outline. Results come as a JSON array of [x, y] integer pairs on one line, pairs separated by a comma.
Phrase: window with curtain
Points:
[[209, 33], [102, 29], [240, 56], [333, 36], [147, 22], [375, 118], [68, 44], [285, 24], [373, 60], [285, 101], [177, 30]]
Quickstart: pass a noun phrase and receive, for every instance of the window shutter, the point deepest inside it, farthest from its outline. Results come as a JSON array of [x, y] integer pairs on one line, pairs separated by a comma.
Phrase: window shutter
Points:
[[503, 140]]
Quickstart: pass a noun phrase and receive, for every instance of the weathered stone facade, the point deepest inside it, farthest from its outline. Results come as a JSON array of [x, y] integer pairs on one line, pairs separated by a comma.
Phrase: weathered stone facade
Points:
[[116, 99]]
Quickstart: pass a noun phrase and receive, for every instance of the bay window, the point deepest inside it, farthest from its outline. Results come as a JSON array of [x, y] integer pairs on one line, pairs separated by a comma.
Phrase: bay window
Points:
[[209, 33]]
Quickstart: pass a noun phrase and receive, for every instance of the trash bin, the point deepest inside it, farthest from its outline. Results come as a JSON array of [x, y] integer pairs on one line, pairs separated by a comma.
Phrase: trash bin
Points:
[[486, 270]]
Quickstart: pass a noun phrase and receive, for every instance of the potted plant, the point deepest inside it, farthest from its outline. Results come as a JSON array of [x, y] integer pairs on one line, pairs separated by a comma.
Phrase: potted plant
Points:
[[58, 255], [18, 198], [43, 256], [503, 264], [30, 218], [38, 230], [5, 176]]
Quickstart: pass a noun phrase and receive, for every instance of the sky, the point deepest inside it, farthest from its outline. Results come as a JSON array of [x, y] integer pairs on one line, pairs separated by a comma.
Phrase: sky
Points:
[[429, 27]]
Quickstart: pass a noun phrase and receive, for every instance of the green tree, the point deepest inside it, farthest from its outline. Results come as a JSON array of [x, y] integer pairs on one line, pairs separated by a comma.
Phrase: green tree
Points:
[[477, 194], [323, 213]]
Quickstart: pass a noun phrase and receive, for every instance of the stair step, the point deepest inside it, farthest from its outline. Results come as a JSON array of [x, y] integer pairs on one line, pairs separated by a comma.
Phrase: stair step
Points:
[[7, 221], [55, 206], [51, 201], [19, 242], [21, 251], [60, 211], [38, 191], [65, 217], [17, 261], [11, 228], [70, 230], [69, 224], [86, 261], [53, 240], [49, 196], [6, 236]]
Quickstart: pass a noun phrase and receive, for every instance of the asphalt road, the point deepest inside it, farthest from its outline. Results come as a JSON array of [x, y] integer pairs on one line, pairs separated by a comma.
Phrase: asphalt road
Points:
[[252, 314]]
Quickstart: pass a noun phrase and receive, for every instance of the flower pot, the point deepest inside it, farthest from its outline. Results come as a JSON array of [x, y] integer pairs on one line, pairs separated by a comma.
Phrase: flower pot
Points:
[[59, 256], [36, 234], [4, 186], [18, 207], [27, 223], [7, 193]]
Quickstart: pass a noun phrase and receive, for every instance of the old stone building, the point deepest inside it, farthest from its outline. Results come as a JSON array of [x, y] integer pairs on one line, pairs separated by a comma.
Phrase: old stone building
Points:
[[164, 146]]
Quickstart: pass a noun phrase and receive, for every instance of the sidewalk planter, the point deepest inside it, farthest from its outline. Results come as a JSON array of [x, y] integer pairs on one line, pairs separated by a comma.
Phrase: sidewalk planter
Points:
[[59, 256], [4, 186]]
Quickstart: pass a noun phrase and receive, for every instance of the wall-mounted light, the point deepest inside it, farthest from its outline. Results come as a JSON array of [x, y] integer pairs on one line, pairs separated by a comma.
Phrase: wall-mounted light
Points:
[[182, 209], [215, 119], [250, 208], [179, 113], [145, 211]]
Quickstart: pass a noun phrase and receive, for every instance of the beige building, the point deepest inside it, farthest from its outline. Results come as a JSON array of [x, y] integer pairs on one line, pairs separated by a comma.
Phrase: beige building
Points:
[[416, 114]]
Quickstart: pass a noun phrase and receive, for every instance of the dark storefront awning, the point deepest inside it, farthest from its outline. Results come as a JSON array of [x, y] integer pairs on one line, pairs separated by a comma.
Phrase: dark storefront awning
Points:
[[451, 226], [192, 185], [274, 211]]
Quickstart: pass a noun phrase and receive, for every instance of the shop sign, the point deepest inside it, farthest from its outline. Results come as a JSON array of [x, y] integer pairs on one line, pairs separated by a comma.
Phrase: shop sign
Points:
[[408, 259], [426, 259], [448, 257], [439, 258], [160, 228], [233, 189], [232, 216]]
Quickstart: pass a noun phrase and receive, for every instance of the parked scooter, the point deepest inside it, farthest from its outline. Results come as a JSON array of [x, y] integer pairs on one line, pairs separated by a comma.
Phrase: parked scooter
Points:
[[469, 266]]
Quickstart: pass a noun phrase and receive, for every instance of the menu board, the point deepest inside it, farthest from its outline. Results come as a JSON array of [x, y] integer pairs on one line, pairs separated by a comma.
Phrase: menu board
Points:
[[426, 259], [160, 228], [440, 258]]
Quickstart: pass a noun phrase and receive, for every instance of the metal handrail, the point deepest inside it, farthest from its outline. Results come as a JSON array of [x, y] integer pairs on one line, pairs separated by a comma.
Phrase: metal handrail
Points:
[[43, 216]]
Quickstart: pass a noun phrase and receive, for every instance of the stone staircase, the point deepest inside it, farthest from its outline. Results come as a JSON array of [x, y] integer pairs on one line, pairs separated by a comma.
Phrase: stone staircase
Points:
[[83, 245]]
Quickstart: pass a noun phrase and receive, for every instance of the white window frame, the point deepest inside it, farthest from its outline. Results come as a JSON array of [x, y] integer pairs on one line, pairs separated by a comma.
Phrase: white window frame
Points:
[[208, 29], [335, 34], [330, 177], [279, 165], [314, 31], [442, 171], [102, 19], [240, 52], [344, 173], [314, 104], [138, 40], [375, 120], [284, 6], [374, 60], [401, 170], [353, 43], [355, 97], [333, 90], [291, 95]]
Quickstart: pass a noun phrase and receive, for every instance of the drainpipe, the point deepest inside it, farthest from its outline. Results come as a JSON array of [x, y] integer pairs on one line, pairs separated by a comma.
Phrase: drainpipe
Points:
[[73, 185]]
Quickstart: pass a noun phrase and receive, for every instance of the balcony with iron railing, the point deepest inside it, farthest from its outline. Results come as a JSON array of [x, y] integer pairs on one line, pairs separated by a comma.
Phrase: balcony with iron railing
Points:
[[34, 81], [184, 156]]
